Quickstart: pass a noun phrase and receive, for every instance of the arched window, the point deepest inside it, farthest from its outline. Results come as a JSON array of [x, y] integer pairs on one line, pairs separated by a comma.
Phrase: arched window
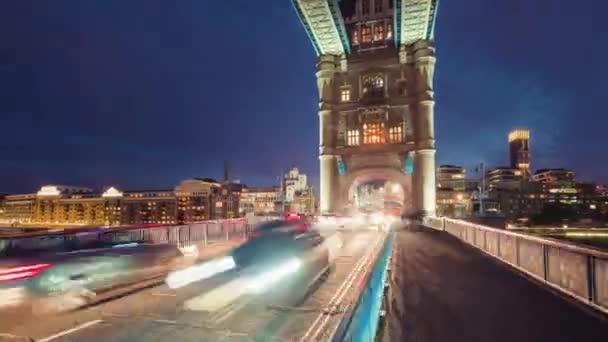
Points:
[[356, 36], [378, 32], [366, 34], [373, 86], [373, 133], [389, 30]]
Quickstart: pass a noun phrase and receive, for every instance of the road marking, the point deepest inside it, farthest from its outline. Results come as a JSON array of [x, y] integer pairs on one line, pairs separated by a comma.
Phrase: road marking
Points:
[[333, 298], [69, 331], [161, 294]]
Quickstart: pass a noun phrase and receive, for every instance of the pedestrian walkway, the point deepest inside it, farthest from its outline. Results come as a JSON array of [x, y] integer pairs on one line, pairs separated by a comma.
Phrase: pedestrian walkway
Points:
[[443, 290]]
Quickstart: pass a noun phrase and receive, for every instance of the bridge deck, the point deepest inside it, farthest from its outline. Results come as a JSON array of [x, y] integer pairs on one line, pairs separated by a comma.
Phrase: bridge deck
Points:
[[444, 290]]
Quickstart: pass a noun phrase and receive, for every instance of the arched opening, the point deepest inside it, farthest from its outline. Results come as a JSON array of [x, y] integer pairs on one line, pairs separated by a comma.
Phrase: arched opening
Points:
[[377, 190]]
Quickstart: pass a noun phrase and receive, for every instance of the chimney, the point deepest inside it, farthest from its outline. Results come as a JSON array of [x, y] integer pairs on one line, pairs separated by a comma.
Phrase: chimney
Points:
[[226, 174]]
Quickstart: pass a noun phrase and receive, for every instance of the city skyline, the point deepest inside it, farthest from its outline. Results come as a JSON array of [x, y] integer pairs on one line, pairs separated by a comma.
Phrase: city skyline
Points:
[[100, 100]]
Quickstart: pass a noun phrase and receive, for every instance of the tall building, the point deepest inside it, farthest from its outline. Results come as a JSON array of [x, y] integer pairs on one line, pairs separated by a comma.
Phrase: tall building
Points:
[[519, 150], [451, 177], [375, 68]]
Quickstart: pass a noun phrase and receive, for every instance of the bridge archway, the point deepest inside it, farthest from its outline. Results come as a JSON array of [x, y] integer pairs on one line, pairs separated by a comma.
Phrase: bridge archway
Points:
[[400, 186]]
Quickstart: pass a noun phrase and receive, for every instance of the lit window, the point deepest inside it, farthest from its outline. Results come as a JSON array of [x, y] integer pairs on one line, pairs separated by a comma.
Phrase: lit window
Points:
[[345, 95], [365, 7], [366, 34], [356, 36], [378, 6], [396, 134], [378, 32], [389, 30], [352, 137], [373, 133], [373, 86]]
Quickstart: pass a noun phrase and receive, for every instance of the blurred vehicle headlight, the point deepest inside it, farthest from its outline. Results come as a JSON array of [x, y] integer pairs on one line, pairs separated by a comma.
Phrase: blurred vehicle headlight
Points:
[[199, 272], [269, 278], [377, 218]]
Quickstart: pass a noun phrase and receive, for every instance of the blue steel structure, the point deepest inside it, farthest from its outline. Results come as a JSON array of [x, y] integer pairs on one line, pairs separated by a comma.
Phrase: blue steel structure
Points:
[[362, 324]]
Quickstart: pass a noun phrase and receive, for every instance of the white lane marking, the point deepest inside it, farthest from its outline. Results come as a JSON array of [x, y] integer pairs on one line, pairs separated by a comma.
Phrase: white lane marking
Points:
[[164, 321], [161, 294], [342, 291], [343, 286], [69, 331]]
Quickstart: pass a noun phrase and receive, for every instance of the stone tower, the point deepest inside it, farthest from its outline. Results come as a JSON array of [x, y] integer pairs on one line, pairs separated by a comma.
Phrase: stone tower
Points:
[[376, 60]]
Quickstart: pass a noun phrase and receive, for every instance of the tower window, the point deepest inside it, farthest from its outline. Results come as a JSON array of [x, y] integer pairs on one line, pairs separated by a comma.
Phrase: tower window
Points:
[[373, 133], [352, 137], [373, 86], [378, 6], [389, 30], [378, 32], [356, 36], [365, 7], [366, 34], [396, 134], [345, 94]]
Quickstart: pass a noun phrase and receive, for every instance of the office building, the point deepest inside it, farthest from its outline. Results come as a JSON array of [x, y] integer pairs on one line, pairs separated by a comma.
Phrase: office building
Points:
[[519, 151], [451, 177], [504, 178]]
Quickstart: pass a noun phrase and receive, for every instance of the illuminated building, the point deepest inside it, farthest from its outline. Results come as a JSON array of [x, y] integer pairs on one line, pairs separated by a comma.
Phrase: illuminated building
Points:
[[375, 68], [551, 178], [450, 177], [196, 199], [452, 198], [504, 178], [261, 201], [519, 151], [19, 209], [293, 182]]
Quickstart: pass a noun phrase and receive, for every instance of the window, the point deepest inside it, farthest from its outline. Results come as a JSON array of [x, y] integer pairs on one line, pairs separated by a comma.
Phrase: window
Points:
[[365, 7], [356, 36], [378, 6], [345, 95], [378, 32], [389, 30], [396, 134], [366, 34], [373, 86], [373, 133], [352, 137]]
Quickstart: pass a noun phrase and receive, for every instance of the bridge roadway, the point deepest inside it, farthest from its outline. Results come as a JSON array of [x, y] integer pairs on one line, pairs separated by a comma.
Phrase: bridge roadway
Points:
[[212, 310], [443, 290]]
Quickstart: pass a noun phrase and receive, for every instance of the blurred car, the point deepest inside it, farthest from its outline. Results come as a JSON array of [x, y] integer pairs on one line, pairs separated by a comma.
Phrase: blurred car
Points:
[[73, 274], [286, 252]]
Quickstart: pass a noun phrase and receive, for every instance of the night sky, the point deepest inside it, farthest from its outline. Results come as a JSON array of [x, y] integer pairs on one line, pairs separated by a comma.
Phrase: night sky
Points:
[[143, 94]]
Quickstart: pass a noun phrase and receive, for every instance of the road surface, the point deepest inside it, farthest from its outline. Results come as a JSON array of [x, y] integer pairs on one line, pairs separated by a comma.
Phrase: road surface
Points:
[[443, 290], [215, 309]]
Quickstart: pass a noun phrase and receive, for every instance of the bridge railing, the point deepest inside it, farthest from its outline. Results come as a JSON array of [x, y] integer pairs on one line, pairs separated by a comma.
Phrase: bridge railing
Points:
[[578, 271], [204, 232]]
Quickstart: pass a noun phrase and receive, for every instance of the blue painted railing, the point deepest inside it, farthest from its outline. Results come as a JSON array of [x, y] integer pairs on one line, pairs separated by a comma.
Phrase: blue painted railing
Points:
[[362, 324]]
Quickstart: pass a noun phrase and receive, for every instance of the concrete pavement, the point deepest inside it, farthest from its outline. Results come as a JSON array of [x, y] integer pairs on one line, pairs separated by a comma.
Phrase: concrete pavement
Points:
[[443, 290]]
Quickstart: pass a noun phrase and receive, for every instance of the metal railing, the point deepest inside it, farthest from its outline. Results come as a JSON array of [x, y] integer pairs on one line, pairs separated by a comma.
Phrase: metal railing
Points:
[[361, 322], [578, 271], [205, 232]]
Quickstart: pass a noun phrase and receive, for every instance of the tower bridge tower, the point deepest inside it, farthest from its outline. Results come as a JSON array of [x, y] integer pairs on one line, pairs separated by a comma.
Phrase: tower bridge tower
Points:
[[375, 66]]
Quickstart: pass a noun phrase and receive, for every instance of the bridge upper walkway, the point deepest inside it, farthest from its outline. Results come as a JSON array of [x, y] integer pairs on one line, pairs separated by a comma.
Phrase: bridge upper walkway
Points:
[[442, 289]]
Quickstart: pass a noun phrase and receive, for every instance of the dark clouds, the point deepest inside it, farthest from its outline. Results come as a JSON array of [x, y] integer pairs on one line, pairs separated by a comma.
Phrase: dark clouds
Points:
[[145, 93]]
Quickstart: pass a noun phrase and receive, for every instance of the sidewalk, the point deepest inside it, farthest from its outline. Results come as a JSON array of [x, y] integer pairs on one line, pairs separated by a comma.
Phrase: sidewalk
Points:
[[443, 290]]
